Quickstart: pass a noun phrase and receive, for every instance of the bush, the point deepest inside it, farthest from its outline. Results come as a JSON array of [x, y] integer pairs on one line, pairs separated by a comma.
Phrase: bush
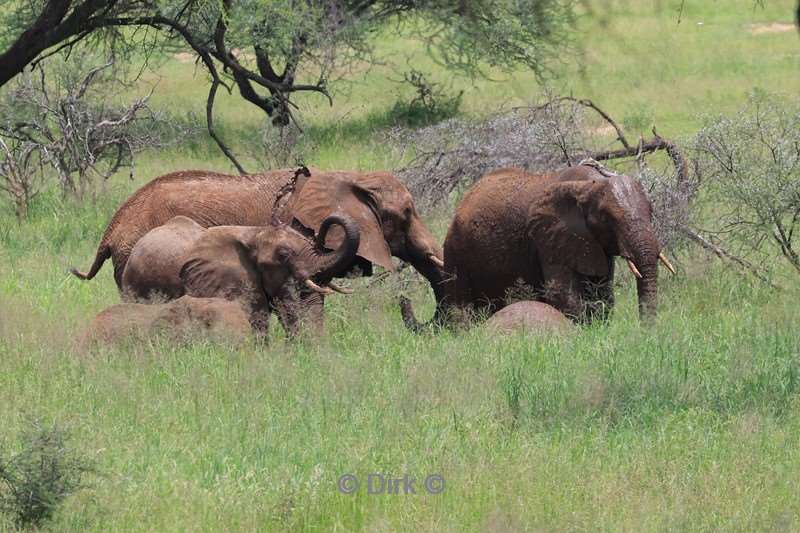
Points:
[[430, 104], [37, 479], [751, 168]]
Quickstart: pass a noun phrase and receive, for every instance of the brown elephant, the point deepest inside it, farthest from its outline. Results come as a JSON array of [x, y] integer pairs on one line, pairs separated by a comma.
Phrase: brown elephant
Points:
[[557, 233], [183, 318], [530, 316], [260, 265], [154, 265], [379, 203]]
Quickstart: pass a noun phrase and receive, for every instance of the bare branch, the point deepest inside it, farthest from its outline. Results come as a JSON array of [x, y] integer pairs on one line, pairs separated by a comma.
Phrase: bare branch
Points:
[[724, 254], [212, 93]]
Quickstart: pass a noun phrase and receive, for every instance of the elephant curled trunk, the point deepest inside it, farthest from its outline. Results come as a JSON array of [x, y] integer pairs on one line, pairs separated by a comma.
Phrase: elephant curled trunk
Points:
[[332, 263]]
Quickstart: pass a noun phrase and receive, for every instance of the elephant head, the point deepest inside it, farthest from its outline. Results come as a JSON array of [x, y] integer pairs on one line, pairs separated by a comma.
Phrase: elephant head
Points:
[[384, 210], [264, 262], [581, 225]]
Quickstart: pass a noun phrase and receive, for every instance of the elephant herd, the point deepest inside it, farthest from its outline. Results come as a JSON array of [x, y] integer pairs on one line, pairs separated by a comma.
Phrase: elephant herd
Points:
[[224, 252]]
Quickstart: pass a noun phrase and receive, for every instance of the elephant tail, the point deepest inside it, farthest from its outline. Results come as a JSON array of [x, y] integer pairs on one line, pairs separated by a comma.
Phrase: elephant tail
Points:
[[410, 319], [103, 253]]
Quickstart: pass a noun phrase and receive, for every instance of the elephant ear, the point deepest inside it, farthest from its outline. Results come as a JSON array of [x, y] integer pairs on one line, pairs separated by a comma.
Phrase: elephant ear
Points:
[[326, 194], [558, 228], [220, 263]]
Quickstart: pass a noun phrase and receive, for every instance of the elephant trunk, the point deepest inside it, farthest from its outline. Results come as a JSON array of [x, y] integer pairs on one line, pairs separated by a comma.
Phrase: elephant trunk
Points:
[[644, 250], [334, 263], [426, 257], [647, 291], [410, 319]]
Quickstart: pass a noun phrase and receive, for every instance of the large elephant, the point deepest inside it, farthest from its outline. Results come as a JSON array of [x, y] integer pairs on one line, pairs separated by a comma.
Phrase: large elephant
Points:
[[557, 233], [260, 265], [379, 203]]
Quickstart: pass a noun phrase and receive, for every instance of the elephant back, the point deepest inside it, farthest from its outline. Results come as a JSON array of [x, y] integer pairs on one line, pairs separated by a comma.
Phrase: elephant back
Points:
[[152, 271], [217, 265], [208, 198], [530, 316]]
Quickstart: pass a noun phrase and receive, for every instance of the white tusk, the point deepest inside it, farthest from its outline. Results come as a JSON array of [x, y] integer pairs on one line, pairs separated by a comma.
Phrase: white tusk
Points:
[[316, 288], [436, 261], [633, 268], [340, 290], [666, 262]]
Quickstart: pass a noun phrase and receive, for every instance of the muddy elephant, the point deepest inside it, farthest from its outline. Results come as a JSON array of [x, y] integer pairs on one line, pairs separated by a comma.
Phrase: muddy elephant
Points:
[[530, 316], [557, 234], [179, 319], [262, 266], [379, 203]]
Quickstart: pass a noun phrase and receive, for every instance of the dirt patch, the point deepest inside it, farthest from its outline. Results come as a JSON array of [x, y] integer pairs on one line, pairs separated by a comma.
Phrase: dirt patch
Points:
[[608, 129], [185, 57], [770, 27]]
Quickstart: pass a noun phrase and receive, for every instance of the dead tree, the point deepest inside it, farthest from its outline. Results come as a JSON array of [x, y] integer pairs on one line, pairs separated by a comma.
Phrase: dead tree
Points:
[[69, 125], [20, 174]]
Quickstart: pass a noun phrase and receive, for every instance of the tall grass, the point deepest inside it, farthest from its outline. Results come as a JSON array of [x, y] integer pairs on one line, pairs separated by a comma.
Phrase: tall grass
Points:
[[690, 424]]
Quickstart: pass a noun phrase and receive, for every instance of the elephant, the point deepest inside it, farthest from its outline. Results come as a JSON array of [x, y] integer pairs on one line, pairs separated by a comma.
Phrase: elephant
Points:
[[532, 316], [557, 233], [154, 265], [181, 318], [260, 265], [380, 204]]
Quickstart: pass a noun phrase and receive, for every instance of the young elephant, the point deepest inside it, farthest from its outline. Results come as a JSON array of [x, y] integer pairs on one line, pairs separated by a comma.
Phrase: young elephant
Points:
[[154, 267], [257, 264], [179, 319], [528, 315]]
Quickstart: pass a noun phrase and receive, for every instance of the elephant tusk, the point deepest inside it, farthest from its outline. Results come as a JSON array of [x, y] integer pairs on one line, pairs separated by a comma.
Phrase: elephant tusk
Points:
[[667, 264], [340, 290], [633, 268], [436, 261], [316, 288]]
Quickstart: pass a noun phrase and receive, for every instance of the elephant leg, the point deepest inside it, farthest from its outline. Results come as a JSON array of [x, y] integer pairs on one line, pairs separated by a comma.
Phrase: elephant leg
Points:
[[301, 310], [598, 293], [259, 321], [311, 312], [563, 290]]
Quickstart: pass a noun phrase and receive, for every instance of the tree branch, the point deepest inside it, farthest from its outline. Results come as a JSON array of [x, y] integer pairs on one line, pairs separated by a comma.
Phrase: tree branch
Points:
[[724, 254], [212, 93]]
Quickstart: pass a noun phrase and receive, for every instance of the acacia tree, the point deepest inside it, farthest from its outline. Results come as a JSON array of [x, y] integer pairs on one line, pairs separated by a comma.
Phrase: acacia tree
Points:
[[270, 50]]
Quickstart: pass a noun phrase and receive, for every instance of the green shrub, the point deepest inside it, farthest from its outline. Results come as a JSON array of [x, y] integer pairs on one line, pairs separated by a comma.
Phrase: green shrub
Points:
[[430, 104], [38, 478]]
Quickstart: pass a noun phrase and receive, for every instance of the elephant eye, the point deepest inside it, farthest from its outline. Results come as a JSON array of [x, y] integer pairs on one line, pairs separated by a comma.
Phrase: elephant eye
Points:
[[283, 254]]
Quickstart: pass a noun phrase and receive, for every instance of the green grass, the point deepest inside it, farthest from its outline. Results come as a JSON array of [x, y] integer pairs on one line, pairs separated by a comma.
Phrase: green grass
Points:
[[691, 424]]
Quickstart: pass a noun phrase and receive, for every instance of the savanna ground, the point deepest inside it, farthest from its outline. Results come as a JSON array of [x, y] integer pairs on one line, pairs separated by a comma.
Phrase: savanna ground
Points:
[[691, 424]]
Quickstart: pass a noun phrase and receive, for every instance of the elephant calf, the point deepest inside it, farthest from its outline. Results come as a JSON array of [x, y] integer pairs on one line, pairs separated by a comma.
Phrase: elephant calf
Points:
[[179, 319], [528, 315], [264, 267]]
